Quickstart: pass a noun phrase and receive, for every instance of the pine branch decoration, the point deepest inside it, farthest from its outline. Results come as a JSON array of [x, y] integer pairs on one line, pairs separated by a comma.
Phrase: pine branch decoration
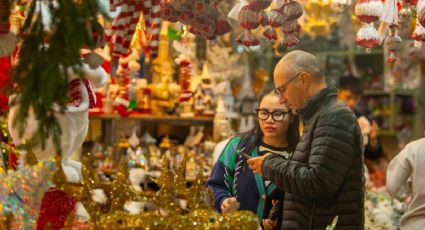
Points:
[[40, 77]]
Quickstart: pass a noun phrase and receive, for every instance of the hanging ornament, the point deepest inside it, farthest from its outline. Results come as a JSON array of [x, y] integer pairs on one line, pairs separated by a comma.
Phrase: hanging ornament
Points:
[[367, 36], [270, 33], [340, 6], [247, 39], [290, 40], [368, 11], [276, 19], [259, 4], [393, 43], [291, 27], [248, 19], [292, 10], [263, 18], [203, 17]]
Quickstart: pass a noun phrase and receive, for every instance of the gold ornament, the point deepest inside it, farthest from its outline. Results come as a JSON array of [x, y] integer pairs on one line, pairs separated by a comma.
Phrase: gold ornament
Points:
[[319, 19]]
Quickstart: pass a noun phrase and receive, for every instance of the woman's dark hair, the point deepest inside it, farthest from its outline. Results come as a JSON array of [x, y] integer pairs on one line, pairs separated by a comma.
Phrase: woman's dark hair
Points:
[[256, 134]]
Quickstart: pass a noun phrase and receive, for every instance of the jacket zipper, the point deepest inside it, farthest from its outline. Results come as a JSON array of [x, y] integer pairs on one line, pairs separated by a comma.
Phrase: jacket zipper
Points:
[[312, 215]]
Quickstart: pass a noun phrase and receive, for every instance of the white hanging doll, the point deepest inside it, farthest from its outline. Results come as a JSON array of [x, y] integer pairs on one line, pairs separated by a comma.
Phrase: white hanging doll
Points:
[[73, 122]]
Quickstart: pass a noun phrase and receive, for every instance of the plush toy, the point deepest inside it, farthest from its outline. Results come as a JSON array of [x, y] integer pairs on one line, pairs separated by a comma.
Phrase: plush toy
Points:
[[73, 122]]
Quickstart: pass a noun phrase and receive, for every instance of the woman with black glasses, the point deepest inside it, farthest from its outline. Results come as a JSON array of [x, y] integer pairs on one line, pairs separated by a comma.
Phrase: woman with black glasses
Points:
[[235, 186]]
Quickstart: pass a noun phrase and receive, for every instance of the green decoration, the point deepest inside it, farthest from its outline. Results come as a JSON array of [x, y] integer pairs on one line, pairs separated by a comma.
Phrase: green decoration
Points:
[[173, 34], [40, 78]]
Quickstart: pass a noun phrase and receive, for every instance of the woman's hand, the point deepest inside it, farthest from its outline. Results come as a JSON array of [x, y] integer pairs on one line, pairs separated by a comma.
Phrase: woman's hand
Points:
[[229, 205]]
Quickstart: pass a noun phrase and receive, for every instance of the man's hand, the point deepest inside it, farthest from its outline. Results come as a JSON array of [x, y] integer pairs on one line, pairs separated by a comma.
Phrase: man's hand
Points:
[[229, 205], [256, 163]]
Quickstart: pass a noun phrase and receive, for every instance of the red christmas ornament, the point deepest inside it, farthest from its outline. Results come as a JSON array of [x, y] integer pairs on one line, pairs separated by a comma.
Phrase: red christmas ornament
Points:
[[368, 11], [248, 19], [292, 10], [259, 4], [276, 19], [290, 27], [270, 33], [248, 39], [55, 208]]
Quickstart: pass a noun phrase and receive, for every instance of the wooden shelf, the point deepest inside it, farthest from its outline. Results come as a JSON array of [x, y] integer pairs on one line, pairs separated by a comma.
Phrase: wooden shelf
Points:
[[374, 92], [158, 119]]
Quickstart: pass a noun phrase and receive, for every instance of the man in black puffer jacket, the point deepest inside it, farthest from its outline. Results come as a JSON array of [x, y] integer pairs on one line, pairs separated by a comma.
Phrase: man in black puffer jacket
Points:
[[324, 179]]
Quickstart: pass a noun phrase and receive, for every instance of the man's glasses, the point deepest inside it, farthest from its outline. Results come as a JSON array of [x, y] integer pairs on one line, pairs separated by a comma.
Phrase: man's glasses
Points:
[[277, 115], [281, 89]]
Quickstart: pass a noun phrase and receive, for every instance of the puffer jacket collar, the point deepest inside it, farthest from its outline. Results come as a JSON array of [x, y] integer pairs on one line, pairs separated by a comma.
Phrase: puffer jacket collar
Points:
[[313, 104]]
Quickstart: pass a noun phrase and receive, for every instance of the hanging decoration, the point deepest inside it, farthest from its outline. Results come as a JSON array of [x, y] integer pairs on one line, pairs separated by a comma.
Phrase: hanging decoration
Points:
[[285, 16], [393, 43], [203, 17], [389, 16], [368, 11], [249, 20]]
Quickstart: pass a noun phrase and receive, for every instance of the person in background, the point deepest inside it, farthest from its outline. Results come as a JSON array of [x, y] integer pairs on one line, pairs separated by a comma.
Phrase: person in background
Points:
[[323, 181], [405, 181], [233, 184], [350, 91]]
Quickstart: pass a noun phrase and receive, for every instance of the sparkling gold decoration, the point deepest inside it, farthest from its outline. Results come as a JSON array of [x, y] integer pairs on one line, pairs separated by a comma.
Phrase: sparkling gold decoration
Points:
[[169, 215], [319, 19]]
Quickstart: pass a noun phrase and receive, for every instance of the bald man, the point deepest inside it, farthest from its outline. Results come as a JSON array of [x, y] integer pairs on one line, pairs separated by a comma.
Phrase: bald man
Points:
[[324, 179]]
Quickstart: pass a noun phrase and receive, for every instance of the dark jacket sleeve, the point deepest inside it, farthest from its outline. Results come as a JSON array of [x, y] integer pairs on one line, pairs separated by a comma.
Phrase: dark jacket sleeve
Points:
[[217, 181], [332, 153]]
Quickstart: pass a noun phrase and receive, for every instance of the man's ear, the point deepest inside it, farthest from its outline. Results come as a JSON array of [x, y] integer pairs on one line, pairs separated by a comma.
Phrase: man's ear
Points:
[[305, 80]]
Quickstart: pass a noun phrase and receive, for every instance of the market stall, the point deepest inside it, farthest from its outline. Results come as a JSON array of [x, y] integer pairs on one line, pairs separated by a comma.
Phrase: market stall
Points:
[[114, 112]]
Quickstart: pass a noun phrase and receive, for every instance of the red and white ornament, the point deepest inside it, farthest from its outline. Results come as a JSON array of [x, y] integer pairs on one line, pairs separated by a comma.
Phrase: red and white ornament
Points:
[[393, 43], [367, 36], [248, 39], [270, 33], [276, 19], [368, 11], [419, 33]]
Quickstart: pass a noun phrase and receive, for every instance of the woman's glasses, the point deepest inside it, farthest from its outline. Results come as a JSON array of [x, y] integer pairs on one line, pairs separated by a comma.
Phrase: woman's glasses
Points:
[[277, 115]]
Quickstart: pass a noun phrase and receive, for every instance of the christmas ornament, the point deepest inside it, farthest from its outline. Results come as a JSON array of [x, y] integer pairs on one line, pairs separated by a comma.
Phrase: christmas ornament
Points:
[[248, 39], [203, 17], [55, 209], [263, 18], [393, 43], [248, 19], [257, 5], [276, 19], [367, 36], [292, 10], [270, 33], [368, 11], [290, 40], [22, 191]]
